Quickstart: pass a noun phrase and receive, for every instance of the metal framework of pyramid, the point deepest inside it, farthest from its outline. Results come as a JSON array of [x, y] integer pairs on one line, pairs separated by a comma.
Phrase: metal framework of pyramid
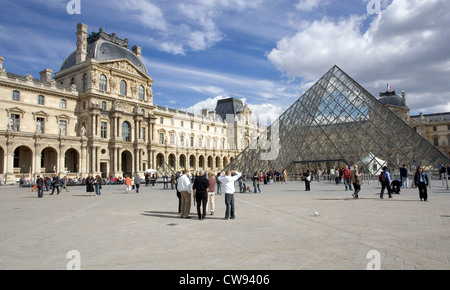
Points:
[[338, 120]]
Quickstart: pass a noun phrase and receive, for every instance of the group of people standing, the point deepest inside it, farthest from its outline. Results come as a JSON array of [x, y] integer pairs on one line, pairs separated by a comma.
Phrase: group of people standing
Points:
[[353, 177], [202, 189]]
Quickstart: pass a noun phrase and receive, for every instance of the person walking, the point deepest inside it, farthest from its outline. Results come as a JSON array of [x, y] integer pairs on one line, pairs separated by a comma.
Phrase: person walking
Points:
[[228, 181], [347, 178], [185, 187], [200, 186], [40, 186], [90, 185], [385, 180], [421, 181], [212, 185], [55, 184], [256, 181], [64, 183], [137, 182], [128, 184], [355, 177]]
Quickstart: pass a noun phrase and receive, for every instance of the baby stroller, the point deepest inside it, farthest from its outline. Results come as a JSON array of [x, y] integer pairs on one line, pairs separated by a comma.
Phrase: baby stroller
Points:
[[396, 184]]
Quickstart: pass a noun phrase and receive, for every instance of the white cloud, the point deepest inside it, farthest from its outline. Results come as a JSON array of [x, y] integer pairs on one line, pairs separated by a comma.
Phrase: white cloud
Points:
[[405, 45], [307, 5]]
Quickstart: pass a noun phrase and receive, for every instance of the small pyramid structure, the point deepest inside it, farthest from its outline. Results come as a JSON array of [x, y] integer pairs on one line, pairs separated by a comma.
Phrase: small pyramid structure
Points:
[[338, 120]]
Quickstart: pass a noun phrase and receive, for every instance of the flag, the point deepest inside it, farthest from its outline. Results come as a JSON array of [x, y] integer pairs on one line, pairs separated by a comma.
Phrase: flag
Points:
[[389, 87]]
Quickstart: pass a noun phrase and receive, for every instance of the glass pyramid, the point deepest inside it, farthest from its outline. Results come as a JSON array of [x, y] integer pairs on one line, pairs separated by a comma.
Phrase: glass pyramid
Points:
[[338, 121]]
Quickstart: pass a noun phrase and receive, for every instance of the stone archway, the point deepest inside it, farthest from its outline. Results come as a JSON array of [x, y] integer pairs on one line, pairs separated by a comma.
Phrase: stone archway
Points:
[[49, 160], [127, 163], [71, 161], [23, 160]]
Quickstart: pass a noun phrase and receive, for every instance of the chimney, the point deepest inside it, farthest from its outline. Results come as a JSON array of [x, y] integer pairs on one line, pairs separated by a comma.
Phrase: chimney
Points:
[[1, 61], [137, 51], [46, 75], [404, 97], [81, 43]]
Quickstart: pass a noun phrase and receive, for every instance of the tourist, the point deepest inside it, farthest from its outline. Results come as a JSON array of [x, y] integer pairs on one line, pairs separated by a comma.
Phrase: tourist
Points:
[[347, 178], [355, 177], [40, 186], [185, 187], [228, 185], [64, 183], [385, 180], [137, 182], [97, 184], [421, 181], [128, 183], [55, 184], [219, 184], [200, 186], [284, 174], [307, 178], [256, 181], [404, 176], [178, 192], [212, 185], [90, 185]]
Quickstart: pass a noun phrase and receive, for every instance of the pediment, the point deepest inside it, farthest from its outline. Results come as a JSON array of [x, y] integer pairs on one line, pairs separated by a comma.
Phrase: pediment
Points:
[[126, 66]]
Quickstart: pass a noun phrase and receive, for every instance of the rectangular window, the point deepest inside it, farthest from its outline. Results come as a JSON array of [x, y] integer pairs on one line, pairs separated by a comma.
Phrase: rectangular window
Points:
[[63, 104], [63, 127], [143, 133], [182, 140], [161, 138], [40, 123], [172, 122], [103, 130], [182, 124], [16, 96], [15, 119], [41, 100]]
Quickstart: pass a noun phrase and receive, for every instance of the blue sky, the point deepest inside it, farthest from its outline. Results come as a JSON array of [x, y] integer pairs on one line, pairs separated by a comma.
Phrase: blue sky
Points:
[[265, 52]]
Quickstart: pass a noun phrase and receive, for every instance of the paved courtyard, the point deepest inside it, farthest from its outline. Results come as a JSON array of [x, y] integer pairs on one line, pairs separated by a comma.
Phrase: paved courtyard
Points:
[[274, 230]]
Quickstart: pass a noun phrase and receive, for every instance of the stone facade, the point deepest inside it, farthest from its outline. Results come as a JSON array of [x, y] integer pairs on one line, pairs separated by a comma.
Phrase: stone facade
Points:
[[435, 128], [97, 116]]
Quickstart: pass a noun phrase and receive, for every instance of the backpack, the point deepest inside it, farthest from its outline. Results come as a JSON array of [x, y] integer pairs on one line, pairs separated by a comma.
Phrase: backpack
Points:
[[382, 177]]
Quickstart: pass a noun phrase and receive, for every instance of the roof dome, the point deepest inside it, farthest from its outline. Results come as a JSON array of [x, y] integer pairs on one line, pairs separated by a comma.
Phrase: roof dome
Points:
[[102, 46], [390, 98]]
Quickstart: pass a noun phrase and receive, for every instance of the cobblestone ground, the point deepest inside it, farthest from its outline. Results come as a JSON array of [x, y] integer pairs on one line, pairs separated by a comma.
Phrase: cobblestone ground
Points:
[[274, 230]]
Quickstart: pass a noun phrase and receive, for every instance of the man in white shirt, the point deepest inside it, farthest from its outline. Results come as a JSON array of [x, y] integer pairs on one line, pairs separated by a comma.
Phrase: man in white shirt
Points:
[[185, 187], [228, 181]]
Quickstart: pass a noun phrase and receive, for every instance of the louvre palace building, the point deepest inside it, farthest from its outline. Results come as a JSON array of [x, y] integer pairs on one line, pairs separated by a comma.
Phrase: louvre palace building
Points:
[[97, 116]]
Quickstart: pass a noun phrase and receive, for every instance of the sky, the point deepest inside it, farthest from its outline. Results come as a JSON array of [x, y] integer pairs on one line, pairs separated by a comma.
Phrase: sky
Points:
[[265, 52]]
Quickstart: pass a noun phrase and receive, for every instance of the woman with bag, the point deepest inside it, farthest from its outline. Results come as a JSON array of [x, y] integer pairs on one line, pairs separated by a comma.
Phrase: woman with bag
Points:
[[355, 177]]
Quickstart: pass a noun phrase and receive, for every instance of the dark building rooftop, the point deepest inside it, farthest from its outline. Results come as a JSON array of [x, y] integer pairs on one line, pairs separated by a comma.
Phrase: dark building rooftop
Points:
[[230, 106], [103, 46], [390, 98]]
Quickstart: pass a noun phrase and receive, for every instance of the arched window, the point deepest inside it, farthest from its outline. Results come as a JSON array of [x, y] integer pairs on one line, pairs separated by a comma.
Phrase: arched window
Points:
[[102, 83], [141, 92], [126, 132], [85, 82], [123, 88]]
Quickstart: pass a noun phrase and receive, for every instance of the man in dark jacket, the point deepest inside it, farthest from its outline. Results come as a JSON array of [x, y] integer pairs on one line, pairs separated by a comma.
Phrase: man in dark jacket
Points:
[[200, 186], [40, 184], [55, 184]]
